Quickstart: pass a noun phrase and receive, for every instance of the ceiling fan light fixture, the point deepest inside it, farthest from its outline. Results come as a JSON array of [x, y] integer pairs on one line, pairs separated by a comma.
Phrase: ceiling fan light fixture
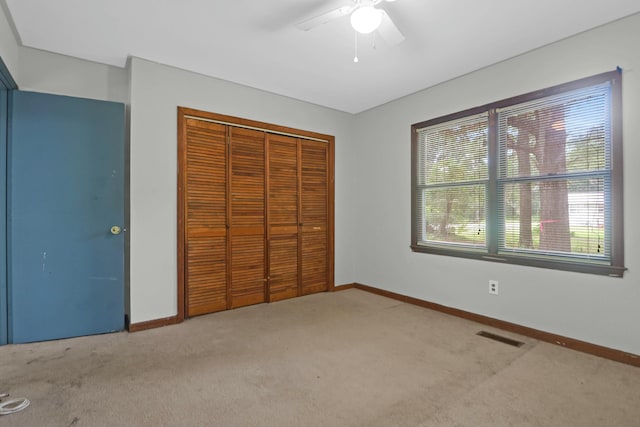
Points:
[[366, 19]]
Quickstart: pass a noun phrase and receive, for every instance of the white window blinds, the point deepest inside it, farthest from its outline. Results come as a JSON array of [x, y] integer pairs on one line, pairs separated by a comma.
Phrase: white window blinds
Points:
[[554, 174], [453, 177]]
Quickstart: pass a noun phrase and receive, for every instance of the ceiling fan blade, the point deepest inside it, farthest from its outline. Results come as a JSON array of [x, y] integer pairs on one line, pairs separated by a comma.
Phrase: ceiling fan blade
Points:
[[324, 18], [389, 32]]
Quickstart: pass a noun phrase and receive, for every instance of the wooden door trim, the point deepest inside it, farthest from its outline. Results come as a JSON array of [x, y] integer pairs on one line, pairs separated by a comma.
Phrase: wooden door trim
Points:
[[331, 213], [253, 124], [268, 128], [299, 231], [182, 193], [267, 215], [228, 207]]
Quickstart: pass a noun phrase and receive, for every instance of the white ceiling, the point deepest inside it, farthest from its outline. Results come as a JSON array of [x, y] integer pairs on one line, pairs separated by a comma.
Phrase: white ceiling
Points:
[[255, 42]]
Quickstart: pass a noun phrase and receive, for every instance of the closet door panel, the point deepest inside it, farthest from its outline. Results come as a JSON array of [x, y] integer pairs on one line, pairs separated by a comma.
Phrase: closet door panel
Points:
[[206, 218], [283, 217], [283, 253], [206, 265], [314, 217], [247, 217], [247, 273]]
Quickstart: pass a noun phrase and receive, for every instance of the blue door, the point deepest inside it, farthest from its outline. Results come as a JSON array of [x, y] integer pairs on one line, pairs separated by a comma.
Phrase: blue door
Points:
[[65, 193]]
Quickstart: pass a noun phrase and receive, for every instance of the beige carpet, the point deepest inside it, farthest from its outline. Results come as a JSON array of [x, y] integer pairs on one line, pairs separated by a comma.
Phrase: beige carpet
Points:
[[342, 359]]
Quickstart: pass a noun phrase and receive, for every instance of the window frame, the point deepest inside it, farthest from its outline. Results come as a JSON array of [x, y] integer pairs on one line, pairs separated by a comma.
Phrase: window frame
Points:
[[614, 268]]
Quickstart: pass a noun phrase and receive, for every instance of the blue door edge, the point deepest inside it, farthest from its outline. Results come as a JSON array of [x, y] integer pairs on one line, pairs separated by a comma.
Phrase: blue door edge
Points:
[[7, 83], [6, 201], [4, 298]]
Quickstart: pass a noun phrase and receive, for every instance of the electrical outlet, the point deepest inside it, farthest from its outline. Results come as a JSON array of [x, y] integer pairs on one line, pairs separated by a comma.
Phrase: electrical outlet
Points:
[[493, 287]]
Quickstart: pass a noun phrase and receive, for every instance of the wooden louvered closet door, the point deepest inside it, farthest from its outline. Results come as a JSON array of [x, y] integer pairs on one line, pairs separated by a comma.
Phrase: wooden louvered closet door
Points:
[[314, 217], [283, 217], [206, 217], [247, 217], [255, 217]]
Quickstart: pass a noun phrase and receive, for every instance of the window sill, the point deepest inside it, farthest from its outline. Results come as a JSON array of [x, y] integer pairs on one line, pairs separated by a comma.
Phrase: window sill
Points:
[[589, 267]]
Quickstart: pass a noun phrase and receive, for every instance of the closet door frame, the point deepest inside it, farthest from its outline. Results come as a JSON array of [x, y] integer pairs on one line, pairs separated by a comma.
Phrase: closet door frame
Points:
[[185, 113]]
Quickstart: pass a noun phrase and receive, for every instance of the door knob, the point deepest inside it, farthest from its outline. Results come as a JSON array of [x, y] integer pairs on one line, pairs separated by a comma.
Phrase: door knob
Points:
[[116, 230]]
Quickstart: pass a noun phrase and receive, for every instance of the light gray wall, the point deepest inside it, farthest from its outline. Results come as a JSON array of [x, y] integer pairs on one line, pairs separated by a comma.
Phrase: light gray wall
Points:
[[42, 71], [156, 92], [8, 44], [39, 71], [592, 308]]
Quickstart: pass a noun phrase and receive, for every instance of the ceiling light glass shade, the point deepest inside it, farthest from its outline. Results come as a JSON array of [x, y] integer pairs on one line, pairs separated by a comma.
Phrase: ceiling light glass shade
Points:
[[366, 19]]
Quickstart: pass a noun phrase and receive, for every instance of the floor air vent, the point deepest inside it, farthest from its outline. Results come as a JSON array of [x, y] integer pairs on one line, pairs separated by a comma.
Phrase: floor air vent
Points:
[[500, 338]]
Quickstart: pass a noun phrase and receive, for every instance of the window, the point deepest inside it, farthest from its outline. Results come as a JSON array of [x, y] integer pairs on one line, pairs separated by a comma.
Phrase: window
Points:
[[532, 180]]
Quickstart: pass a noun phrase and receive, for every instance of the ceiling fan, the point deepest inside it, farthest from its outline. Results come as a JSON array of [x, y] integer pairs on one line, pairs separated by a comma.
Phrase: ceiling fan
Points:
[[365, 18]]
